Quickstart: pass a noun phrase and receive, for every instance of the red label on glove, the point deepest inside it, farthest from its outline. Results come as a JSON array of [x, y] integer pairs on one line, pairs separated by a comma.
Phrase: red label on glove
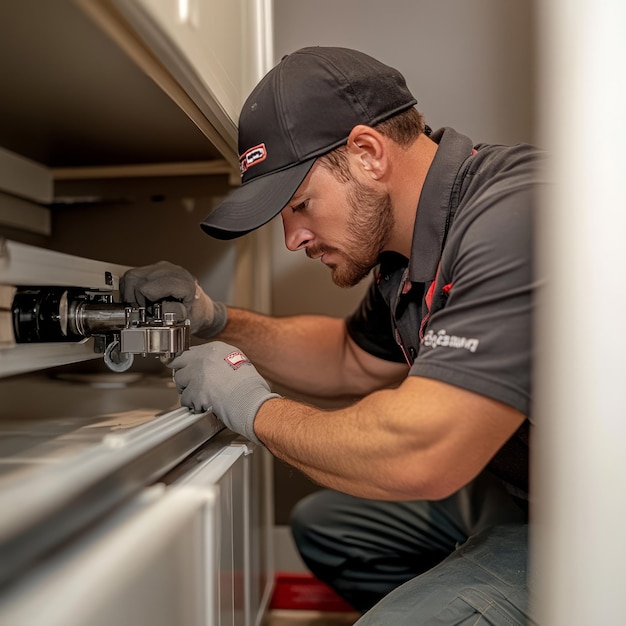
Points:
[[236, 359]]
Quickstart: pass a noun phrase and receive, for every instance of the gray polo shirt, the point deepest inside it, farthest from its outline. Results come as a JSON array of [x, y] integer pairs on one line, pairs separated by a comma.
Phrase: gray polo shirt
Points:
[[460, 309]]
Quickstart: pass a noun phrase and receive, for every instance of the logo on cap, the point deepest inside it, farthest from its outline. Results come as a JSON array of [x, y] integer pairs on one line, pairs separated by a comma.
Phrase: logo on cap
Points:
[[252, 157]]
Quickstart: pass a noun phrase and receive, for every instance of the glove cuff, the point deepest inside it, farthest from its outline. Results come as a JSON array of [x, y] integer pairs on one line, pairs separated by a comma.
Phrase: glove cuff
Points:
[[218, 323], [220, 317], [249, 406]]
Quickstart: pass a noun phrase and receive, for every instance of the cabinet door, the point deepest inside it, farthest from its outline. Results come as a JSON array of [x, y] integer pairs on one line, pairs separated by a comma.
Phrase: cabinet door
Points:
[[221, 479], [216, 49], [141, 566], [238, 532]]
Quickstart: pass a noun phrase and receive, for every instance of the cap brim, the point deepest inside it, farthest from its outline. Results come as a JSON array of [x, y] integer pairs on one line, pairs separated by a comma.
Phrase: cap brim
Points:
[[255, 203]]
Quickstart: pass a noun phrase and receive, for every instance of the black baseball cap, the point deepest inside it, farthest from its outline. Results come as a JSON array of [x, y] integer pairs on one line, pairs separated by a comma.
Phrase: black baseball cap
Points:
[[301, 109]]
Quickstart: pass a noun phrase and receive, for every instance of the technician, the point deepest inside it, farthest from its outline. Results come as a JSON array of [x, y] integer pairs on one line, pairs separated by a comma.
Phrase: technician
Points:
[[425, 517]]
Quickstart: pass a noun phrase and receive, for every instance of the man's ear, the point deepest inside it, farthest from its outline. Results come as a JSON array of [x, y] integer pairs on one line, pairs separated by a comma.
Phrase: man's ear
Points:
[[368, 150]]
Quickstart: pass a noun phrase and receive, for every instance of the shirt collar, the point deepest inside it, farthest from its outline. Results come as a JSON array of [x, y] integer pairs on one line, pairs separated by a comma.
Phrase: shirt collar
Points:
[[434, 203]]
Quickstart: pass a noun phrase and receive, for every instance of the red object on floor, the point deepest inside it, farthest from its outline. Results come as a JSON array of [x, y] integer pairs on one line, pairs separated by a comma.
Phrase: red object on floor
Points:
[[306, 593]]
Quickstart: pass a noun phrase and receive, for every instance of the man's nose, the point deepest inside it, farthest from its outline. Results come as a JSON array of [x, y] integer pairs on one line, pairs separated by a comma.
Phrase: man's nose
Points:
[[296, 235]]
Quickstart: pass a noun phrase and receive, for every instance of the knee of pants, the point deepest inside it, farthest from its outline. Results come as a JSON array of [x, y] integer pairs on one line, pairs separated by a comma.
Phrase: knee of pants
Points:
[[316, 523], [306, 514]]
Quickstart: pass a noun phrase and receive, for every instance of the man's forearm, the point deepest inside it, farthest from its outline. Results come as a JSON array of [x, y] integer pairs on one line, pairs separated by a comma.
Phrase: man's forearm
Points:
[[424, 440], [350, 449], [333, 448], [304, 353]]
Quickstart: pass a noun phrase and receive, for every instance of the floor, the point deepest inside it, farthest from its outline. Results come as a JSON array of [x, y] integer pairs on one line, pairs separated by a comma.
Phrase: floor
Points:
[[309, 618]]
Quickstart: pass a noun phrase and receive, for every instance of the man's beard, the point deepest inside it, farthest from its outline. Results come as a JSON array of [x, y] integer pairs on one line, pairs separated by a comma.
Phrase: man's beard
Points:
[[369, 226]]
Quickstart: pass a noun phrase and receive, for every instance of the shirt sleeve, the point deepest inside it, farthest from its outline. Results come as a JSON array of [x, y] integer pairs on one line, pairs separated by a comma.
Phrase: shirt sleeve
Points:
[[481, 338]]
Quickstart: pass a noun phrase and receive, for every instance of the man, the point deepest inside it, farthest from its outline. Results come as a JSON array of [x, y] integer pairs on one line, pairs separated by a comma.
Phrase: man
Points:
[[425, 518]]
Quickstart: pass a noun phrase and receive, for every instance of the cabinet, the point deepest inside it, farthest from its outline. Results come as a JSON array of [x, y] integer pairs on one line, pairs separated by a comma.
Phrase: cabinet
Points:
[[191, 551], [216, 50], [168, 521], [141, 566], [237, 481], [101, 90], [94, 83]]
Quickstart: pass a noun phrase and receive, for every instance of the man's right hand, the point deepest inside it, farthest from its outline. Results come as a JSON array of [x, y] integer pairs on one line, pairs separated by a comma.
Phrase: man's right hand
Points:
[[163, 280]]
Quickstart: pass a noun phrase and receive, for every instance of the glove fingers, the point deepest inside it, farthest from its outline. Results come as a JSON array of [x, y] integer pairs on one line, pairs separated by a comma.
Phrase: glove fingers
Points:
[[194, 402], [136, 298], [157, 281], [165, 286], [182, 378], [178, 308], [132, 279], [128, 290], [182, 360]]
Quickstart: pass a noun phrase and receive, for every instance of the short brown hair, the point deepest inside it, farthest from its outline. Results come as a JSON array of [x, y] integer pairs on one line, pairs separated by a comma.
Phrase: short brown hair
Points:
[[403, 129]]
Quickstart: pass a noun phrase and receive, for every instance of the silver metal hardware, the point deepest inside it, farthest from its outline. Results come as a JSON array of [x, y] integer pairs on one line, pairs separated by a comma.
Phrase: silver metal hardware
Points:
[[48, 314]]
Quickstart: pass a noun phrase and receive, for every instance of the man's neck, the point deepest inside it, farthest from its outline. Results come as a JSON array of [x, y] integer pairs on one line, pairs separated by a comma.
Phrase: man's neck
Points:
[[410, 167]]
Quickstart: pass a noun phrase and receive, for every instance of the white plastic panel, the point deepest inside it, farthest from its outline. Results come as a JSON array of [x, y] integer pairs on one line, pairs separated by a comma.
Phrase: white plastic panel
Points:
[[259, 503], [25, 215], [223, 475], [18, 359], [143, 566], [60, 469], [239, 531], [217, 50], [23, 265], [25, 178], [192, 553]]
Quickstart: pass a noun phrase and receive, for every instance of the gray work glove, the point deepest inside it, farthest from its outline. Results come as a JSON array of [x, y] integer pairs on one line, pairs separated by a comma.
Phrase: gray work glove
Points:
[[219, 377], [166, 280]]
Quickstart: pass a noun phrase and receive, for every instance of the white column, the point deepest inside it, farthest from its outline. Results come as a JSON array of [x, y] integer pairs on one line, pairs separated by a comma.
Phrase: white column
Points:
[[579, 549]]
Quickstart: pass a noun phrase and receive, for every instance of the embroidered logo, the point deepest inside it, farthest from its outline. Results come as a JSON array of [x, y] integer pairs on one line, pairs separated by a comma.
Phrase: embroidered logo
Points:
[[442, 339], [251, 157], [236, 359]]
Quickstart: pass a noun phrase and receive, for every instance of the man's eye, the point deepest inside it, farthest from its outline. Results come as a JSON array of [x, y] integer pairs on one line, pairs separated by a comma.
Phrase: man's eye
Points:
[[300, 207]]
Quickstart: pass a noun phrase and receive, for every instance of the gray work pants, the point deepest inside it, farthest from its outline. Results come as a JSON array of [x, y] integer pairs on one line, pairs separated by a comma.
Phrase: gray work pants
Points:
[[460, 560]]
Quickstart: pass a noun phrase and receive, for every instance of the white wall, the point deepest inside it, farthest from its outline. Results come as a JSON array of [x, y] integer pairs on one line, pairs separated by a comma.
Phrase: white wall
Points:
[[580, 469]]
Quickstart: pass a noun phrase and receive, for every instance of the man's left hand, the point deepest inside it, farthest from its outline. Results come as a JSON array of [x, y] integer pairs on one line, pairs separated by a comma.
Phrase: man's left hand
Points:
[[219, 377]]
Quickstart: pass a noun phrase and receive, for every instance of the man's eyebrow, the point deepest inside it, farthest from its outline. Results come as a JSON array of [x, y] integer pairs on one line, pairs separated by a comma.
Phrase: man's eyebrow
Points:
[[300, 193]]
